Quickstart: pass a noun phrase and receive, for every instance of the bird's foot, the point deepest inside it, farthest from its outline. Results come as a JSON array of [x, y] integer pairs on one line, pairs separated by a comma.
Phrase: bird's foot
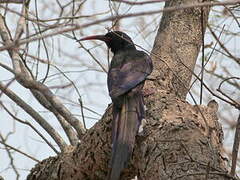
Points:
[[140, 129]]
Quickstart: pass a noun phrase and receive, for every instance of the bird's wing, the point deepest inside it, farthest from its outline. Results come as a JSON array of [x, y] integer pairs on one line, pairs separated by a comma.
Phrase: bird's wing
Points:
[[124, 77]]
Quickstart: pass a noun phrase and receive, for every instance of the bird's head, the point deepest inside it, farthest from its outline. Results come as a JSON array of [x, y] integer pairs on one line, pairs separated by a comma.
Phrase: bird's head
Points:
[[115, 40]]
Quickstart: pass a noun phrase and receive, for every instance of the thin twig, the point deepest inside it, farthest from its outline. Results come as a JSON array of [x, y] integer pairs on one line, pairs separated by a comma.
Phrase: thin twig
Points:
[[235, 147], [224, 94], [234, 17], [17, 150], [23, 77], [234, 84], [35, 115], [44, 45], [130, 15], [3, 142], [202, 68], [237, 60], [213, 49], [81, 107], [12, 1], [93, 57], [29, 124], [139, 3]]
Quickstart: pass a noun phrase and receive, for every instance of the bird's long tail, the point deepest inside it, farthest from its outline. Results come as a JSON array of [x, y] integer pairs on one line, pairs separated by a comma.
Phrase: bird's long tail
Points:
[[126, 121]]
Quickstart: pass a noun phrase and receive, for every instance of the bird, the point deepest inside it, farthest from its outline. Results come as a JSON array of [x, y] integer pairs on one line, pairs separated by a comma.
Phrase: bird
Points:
[[129, 68]]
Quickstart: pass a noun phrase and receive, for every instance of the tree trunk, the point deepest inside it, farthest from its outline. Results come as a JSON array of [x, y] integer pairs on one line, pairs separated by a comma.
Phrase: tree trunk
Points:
[[179, 140]]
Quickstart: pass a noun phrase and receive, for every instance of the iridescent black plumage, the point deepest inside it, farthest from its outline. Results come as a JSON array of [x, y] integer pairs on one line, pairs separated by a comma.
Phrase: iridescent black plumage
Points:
[[126, 76]]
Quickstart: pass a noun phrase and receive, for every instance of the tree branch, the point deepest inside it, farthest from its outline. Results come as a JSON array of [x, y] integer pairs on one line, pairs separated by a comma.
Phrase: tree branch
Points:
[[12, 1], [37, 117], [175, 141], [31, 126], [45, 96], [235, 147], [130, 15]]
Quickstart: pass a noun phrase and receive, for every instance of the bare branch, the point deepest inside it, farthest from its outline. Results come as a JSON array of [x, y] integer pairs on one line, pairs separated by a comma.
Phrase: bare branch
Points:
[[23, 77], [21, 24], [224, 94], [12, 1], [139, 3], [36, 44], [235, 147], [29, 124], [130, 15], [35, 115], [93, 57], [17, 150], [237, 60], [3, 141]]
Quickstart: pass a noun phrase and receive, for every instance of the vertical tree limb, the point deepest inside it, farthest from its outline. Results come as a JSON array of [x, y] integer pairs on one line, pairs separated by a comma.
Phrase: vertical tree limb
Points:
[[178, 42]]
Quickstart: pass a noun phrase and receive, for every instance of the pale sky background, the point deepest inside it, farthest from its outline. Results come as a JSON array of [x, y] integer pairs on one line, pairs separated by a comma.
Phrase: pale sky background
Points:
[[94, 97]]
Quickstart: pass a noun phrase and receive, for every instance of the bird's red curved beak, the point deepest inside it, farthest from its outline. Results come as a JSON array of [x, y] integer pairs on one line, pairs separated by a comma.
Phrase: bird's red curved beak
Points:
[[96, 37]]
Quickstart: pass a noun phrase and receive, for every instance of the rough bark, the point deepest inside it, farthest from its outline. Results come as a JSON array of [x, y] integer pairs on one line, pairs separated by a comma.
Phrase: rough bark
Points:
[[176, 47], [179, 141]]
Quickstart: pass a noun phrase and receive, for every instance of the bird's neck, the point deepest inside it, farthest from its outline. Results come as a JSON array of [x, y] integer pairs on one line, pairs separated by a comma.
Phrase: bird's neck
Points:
[[123, 49]]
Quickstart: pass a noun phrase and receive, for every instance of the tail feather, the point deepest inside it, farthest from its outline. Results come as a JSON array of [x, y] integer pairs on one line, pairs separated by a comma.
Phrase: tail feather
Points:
[[126, 121]]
